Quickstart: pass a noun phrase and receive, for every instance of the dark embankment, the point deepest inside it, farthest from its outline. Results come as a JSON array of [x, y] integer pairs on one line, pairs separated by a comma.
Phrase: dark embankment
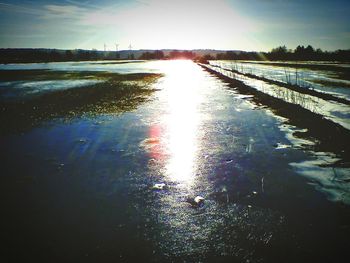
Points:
[[119, 93], [304, 90], [328, 136]]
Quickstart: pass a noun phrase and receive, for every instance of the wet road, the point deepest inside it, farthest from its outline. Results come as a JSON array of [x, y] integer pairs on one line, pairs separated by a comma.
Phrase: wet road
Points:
[[83, 189]]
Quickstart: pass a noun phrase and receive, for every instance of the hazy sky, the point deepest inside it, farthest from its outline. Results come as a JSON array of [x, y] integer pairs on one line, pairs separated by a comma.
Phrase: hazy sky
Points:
[[182, 24]]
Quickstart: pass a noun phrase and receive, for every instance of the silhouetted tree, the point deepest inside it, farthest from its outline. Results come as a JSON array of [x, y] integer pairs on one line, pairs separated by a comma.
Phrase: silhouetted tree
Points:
[[279, 53]]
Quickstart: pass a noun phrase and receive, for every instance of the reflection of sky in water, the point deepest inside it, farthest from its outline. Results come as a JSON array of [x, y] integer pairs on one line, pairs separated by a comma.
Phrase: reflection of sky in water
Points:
[[332, 181]]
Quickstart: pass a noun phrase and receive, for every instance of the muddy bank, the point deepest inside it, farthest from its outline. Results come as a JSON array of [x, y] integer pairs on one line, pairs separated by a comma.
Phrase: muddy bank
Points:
[[327, 135], [118, 93]]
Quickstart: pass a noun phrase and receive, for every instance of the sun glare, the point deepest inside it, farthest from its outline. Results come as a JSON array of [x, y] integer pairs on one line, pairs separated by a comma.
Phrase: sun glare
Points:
[[177, 24], [180, 121]]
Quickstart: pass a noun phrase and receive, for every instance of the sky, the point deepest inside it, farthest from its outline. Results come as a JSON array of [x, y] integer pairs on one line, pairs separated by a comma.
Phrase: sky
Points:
[[250, 25]]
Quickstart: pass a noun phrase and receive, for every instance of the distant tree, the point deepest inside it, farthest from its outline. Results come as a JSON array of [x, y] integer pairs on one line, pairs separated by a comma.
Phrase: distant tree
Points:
[[302, 53], [69, 55], [55, 56], [158, 54], [230, 55], [83, 55], [299, 52], [341, 55], [309, 49], [279, 50], [309, 52], [299, 49], [220, 56], [279, 53], [145, 55], [204, 59], [174, 54], [94, 54], [208, 57]]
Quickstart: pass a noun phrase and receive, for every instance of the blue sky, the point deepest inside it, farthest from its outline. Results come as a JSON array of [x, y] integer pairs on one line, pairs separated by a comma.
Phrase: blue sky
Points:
[[184, 24]]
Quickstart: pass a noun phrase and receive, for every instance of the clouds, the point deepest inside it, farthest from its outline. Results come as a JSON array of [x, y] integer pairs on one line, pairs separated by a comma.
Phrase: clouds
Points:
[[10, 8], [221, 24], [63, 10], [44, 11], [175, 24]]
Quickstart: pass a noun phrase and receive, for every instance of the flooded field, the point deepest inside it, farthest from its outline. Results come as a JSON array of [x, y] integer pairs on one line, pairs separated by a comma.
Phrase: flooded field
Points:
[[163, 161], [326, 77]]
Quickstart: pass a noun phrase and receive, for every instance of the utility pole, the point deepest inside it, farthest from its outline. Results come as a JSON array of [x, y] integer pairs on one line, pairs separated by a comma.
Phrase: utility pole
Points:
[[116, 51]]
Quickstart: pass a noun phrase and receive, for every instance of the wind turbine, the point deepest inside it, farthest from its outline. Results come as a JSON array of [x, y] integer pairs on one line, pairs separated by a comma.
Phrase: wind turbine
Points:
[[117, 56], [131, 56]]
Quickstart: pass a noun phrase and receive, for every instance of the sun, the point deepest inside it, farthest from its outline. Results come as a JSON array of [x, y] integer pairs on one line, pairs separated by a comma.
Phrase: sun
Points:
[[176, 25]]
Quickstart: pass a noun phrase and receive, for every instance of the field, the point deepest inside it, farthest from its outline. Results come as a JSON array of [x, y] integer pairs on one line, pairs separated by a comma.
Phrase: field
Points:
[[102, 161]]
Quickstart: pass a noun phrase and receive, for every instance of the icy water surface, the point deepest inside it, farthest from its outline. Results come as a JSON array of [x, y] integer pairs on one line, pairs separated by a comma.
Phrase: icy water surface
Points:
[[330, 78], [112, 66], [121, 188], [334, 111]]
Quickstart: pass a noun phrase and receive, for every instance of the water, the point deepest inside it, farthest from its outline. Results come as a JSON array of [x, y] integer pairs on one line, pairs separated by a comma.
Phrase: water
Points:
[[16, 89], [82, 189], [112, 66], [334, 111], [335, 83]]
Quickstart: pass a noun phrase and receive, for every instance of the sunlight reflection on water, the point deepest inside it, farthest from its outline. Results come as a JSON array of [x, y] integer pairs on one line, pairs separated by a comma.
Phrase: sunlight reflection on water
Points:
[[182, 120], [173, 139]]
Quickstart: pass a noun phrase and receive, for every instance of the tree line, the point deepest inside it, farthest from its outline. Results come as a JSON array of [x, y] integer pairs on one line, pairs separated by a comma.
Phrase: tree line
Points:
[[175, 54], [53, 55], [300, 53], [279, 53]]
